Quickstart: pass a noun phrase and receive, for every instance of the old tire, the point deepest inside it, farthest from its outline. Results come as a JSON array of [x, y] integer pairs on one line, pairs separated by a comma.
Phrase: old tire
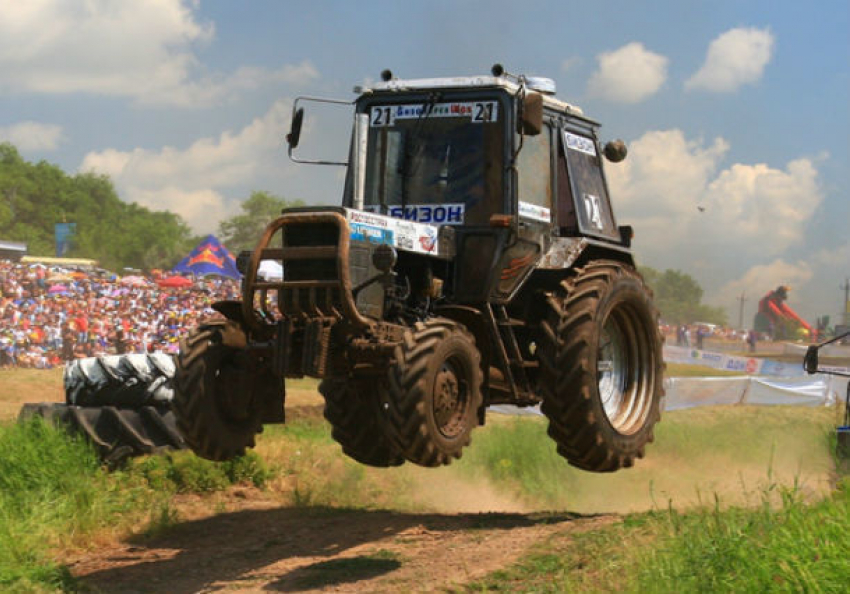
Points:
[[124, 381], [115, 433], [215, 411], [601, 367], [432, 393], [352, 410]]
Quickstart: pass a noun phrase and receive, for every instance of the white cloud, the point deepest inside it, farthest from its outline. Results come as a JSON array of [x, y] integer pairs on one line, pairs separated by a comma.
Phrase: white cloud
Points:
[[192, 181], [771, 206], [142, 50], [629, 74], [735, 58], [33, 136], [758, 280], [669, 189], [717, 224]]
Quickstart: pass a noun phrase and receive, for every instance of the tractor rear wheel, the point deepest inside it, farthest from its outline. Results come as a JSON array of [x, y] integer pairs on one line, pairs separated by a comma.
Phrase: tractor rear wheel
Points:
[[432, 392], [601, 367], [213, 401], [351, 408]]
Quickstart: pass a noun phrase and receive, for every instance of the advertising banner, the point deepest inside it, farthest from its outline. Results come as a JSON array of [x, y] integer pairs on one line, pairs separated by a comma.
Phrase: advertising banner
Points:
[[64, 234]]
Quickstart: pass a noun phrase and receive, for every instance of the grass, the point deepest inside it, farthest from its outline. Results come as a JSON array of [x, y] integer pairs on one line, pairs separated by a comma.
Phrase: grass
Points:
[[54, 496], [18, 386], [790, 546], [726, 450], [717, 484]]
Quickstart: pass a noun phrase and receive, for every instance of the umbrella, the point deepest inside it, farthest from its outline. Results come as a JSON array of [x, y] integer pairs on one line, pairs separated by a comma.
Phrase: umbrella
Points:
[[59, 278], [57, 289], [174, 282], [134, 281]]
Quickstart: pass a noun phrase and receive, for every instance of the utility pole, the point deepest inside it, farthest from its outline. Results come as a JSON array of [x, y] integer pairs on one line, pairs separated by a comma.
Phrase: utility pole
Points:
[[741, 301], [846, 313]]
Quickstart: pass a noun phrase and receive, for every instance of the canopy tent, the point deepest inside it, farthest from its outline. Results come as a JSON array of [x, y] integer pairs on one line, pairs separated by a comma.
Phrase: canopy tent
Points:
[[209, 257], [174, 282]]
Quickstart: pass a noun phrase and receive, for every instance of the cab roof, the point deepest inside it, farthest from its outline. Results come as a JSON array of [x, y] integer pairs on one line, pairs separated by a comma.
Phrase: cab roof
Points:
[[467, 82]]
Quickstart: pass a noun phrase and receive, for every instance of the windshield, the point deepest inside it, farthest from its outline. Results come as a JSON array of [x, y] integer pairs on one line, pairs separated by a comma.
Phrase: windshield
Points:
[[437, 162]]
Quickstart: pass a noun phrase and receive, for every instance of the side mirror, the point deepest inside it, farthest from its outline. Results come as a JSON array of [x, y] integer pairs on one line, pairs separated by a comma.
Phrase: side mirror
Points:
[[532, 114], [615, 150], [810, 361], [295, 129]]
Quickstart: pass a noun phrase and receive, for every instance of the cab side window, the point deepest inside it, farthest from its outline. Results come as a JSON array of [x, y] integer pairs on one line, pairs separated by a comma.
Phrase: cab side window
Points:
[[566, 220], [534, 188]]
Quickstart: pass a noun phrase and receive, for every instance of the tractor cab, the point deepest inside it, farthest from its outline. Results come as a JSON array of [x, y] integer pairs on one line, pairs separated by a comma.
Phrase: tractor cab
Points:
[[502, 175]]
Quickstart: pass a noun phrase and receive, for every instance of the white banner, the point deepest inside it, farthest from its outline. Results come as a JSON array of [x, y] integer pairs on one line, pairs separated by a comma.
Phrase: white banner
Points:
[[692, 392], [743, 365]]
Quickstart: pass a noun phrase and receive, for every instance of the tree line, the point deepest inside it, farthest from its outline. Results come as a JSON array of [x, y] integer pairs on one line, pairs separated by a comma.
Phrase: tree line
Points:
[[36, 196], [678, 296]]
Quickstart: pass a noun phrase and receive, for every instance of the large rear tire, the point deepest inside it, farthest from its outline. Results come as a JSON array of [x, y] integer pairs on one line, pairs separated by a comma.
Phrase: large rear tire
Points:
[[601, 367], [213, 402], [432, 393], [352, 410]]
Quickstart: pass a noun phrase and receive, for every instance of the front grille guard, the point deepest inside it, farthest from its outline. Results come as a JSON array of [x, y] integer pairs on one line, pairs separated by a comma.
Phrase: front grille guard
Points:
[[302, 300]]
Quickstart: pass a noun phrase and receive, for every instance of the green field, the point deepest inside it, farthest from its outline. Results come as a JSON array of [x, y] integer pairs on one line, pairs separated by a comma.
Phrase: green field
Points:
[[717, 484]]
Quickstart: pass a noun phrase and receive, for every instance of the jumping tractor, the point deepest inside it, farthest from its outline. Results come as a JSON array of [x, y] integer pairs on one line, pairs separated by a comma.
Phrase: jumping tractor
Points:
[[474, 260]]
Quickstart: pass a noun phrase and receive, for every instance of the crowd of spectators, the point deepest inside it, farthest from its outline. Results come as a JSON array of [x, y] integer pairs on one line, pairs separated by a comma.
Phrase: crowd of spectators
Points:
[[51, 315]]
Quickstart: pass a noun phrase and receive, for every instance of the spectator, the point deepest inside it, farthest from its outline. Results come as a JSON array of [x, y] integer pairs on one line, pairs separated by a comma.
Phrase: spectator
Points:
[[752, 339], [41, 325]]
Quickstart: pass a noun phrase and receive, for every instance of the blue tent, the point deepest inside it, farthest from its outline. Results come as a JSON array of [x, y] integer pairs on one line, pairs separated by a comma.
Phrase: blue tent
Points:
[[209, 257]]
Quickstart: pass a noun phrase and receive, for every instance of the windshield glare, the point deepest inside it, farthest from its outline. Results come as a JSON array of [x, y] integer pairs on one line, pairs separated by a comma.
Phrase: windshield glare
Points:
[[421, 157]]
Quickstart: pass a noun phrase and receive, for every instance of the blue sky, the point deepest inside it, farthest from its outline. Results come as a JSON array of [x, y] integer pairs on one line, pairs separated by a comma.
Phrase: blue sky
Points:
[[739, 108]]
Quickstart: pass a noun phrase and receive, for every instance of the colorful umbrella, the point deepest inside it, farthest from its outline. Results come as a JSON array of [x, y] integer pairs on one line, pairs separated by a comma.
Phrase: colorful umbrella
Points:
[[174, 282], [134, 281]]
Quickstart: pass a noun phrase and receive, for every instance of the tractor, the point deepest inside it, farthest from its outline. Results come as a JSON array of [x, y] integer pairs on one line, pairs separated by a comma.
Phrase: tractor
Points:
[[474, 260]]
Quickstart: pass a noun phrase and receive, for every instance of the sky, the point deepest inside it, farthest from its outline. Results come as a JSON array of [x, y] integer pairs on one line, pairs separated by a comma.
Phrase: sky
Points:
[[736, 112]]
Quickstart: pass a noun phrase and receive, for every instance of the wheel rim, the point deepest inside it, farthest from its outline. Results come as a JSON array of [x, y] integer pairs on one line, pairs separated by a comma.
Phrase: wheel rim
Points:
[[625, 371], [451, 398]]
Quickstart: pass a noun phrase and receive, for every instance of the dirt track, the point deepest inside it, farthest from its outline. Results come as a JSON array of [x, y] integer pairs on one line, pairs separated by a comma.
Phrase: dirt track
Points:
[[264, 547]]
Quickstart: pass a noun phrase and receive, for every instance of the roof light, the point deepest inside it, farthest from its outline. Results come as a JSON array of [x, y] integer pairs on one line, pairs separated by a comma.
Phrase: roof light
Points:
[[541, 85]]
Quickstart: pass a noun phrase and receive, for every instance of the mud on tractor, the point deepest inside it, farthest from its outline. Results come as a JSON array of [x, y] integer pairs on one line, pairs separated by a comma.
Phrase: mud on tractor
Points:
[[475, 260]]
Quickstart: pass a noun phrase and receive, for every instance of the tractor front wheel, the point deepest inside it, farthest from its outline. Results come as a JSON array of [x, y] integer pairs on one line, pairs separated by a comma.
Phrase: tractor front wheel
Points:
[[432, 392], [352, 410], [213, 402]]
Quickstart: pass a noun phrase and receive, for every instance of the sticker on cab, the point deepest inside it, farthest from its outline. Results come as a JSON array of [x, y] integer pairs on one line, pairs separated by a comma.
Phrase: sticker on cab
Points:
[[439, 214], [581, 144], [479, 112], [535, 212]]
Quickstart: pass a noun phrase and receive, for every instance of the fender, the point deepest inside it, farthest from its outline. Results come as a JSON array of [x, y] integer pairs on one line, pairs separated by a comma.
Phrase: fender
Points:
[[233, 334]]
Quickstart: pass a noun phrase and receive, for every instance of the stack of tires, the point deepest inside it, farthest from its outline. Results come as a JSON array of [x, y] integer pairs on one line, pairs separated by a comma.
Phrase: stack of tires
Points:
[[121, 403]]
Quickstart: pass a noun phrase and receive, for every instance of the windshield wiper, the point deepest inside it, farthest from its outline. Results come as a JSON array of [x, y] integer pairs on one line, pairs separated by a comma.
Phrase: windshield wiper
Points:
[[413, 144]]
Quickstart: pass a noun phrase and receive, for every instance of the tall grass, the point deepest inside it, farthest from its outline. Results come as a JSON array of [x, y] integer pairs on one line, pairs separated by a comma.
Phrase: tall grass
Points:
[[50, 489], [790, 546], [796, 546], [733, 451], [54, 495]]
